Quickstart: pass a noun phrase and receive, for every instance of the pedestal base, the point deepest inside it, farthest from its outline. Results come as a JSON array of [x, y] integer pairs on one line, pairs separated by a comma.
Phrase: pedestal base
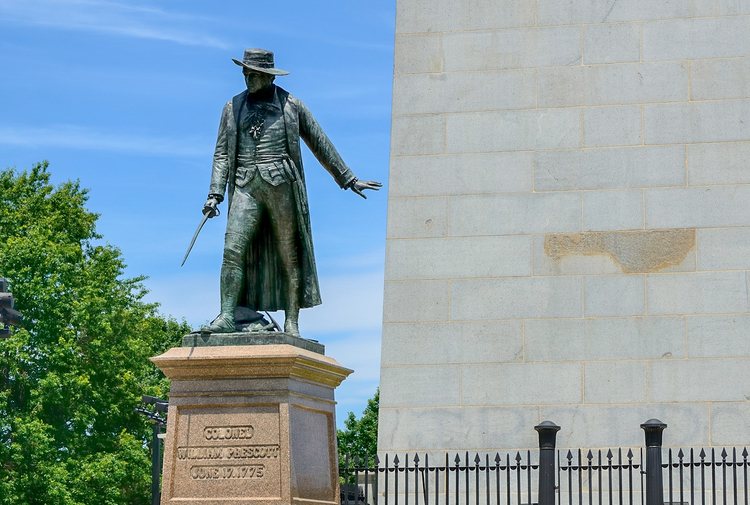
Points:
[[250, 425]]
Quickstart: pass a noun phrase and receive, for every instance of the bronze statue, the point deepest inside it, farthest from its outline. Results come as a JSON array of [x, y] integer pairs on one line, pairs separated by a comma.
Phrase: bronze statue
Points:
[[268, 259]]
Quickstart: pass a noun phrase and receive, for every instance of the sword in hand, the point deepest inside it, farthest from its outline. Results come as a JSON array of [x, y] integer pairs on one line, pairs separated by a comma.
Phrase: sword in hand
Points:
[[210, 210]]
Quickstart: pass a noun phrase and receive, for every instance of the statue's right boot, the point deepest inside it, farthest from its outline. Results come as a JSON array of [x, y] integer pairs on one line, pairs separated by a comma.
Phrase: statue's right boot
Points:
[[231, 283]]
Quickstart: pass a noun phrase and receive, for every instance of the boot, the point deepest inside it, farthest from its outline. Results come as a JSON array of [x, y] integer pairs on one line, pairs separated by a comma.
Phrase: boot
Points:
[[222, 324], [230, 285], [291, 322]]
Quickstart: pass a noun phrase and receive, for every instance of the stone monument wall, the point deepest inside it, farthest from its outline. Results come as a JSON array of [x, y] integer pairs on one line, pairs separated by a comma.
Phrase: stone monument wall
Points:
[[568, 224]]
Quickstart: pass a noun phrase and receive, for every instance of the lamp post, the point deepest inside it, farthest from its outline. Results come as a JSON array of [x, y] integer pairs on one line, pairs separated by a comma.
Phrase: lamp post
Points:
[[159, 421], [8, 315]]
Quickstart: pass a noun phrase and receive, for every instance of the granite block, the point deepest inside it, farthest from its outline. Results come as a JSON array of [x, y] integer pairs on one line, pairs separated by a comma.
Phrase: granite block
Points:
[[696, 293], [418, 53], [700, 380], [414, 135], [618, 425], [727, 420], [463, 91], [621, 167], [612, 126], [605, 339], [429, 386], [445, 429], [511, 214], [526, 47], [452, 343], [415, 301], [615, 382], [521, 384], [720, 163], [613, 210], [690, 39], [711, 8], [555, 12], [724, 249], [614, 295], [461, 174], [479, 257], [718, 336], [611, 43], [616, 84], [416, 16], [701, 207], [515, 298], [521, 130], [417, 217], [680, 123], [720, 79]]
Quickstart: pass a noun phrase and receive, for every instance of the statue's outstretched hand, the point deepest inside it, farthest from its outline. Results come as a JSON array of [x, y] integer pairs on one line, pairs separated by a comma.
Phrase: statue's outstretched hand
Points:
[[359, 186], [210, 207]]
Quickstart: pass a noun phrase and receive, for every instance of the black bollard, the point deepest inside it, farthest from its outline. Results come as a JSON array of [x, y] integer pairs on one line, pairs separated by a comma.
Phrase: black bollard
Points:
[[547, 434], [156, 466], [654, 487]]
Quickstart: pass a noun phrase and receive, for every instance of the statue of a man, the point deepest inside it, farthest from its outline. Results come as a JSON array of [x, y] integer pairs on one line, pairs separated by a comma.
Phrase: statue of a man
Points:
[[268, 251]]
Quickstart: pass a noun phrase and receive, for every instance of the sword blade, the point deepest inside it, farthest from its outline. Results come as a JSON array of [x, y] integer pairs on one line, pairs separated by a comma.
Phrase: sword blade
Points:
[[192, 242]]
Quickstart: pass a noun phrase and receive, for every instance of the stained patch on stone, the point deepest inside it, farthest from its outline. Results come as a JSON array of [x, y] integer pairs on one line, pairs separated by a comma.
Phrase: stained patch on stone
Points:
[[634, 251]]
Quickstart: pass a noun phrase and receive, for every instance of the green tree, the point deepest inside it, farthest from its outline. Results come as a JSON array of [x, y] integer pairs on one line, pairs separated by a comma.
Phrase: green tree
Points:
[[360, 437], [71, 375]]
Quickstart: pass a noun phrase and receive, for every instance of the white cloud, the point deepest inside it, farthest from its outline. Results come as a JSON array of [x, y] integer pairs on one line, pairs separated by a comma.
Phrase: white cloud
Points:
[[109, 17], [80, 137]]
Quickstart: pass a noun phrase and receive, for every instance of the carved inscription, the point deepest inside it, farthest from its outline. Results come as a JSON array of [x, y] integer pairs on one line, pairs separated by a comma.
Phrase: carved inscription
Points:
[[227, 472], [221, 453], [242, 452], [228, 432]]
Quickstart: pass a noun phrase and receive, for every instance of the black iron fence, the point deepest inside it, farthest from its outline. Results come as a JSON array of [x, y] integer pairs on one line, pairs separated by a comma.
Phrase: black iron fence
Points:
[[552, 477]]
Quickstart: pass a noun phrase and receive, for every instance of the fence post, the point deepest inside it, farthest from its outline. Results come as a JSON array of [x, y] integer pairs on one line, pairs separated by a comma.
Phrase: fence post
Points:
[[547, 434], [654, 487]]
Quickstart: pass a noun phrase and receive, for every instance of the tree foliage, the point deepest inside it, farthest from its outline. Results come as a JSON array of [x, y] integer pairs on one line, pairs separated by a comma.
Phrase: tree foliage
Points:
[[72, 373], [360, 436]]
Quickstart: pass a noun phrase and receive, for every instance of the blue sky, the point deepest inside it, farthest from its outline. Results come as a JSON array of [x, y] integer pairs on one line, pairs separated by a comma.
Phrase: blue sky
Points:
[[126, 97]]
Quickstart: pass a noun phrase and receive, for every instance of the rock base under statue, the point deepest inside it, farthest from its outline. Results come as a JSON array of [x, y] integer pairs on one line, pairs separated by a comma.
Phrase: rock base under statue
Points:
[[252, 424], [199, 339]]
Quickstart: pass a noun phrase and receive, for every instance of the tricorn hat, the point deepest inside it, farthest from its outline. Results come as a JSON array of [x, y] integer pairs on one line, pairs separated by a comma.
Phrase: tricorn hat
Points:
[[259, 60]]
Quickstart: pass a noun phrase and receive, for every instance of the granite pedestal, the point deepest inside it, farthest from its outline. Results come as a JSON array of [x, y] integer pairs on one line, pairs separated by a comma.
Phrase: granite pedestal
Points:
[[250, 424]]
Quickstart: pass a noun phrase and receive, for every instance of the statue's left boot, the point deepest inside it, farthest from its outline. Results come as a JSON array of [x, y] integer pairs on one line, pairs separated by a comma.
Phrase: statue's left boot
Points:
[[291, 322], [291, 314], [222, 324]]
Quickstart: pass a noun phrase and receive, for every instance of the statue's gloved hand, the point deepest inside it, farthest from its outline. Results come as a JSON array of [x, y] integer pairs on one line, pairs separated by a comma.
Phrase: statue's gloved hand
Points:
[[211, 207], [359, 186]]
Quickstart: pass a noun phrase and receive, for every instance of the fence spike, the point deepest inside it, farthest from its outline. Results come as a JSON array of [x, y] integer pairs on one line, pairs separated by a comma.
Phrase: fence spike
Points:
[[395, 460], [498, 459], [702, 454], [569, 456], [590, 456], [680, 454], [457, 460], [377, 460], [724, 453], [518, 457], [416, 459], [477, 459], [609, 454], [356, 460], [744, 452], [630, 453]]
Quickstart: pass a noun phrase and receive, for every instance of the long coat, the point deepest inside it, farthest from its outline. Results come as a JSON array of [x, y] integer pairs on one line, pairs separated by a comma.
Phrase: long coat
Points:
[[264, 287]]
